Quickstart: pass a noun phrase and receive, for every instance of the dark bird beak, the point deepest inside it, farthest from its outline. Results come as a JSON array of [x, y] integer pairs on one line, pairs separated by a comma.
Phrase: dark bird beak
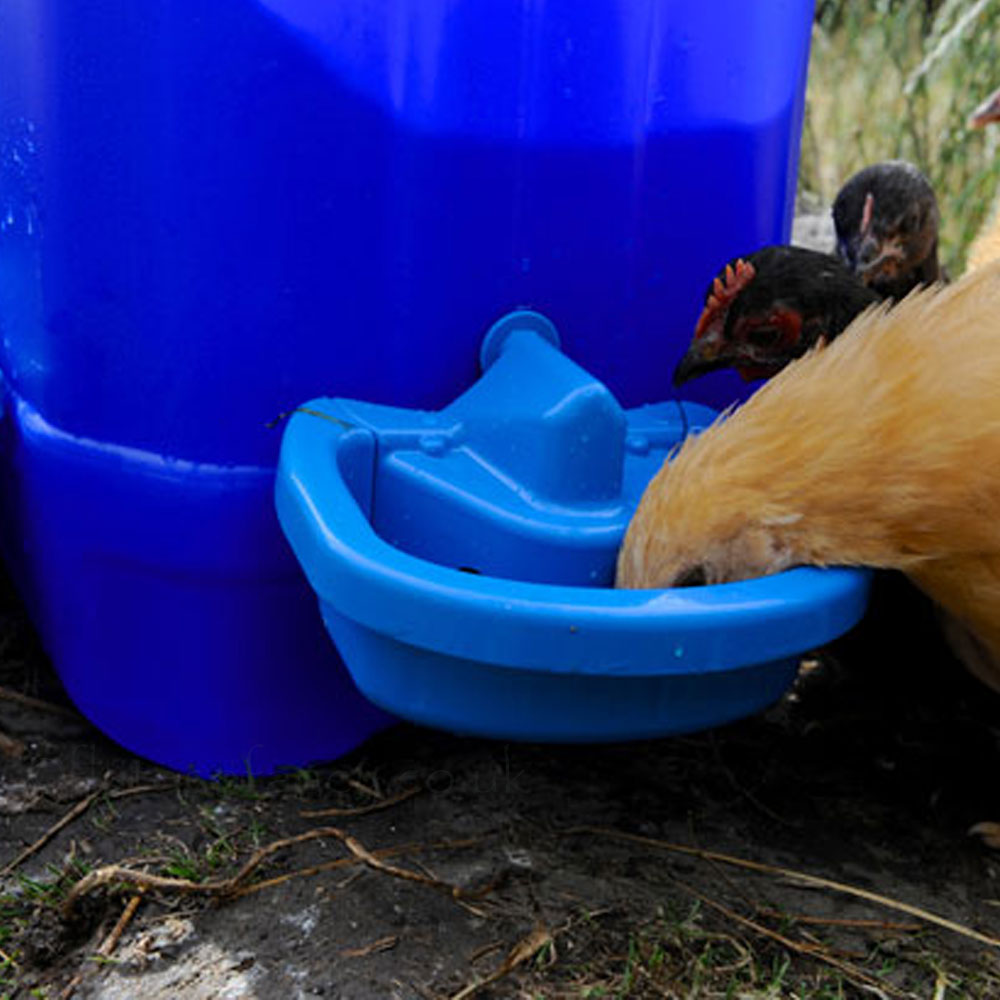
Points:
[[703, 356], [988, 111], [877, 259]]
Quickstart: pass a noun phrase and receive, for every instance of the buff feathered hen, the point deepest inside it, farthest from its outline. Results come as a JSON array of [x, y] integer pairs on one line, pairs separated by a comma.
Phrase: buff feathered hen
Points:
[[986, 246], [883, 449]]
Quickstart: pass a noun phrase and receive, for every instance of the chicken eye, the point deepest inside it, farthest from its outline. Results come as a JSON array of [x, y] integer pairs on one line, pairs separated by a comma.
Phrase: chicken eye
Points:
[[912, 223], [694, 576], [763, 336]]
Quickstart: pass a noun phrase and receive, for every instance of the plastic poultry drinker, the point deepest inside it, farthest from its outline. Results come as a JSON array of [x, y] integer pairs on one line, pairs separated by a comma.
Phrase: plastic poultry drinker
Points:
[[463, 560], [211, 212]]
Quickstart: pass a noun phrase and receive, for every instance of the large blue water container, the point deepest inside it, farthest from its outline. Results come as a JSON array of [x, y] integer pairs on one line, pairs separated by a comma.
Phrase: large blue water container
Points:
[[211, 211]]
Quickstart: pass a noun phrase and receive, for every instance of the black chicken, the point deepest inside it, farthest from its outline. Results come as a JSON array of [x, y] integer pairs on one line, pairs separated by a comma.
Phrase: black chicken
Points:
[[770, 307], [886, 217]]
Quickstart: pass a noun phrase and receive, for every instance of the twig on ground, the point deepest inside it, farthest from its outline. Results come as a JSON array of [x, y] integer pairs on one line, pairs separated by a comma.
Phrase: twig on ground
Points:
[[487, 949], [361, 810], [234, 887], [858, 976], [326, 866], [358, 872], [263, 853], [215, 887], [359, 786], [70, 988], [353, 862], [856, 923], [9, 746], [363, 854], [108, 945], [156, 786], [109, 874], [540, 937], [78, 810], [382, 944], [6, 694], [802, 878], [419, 990], [940, 986], [810, 938]]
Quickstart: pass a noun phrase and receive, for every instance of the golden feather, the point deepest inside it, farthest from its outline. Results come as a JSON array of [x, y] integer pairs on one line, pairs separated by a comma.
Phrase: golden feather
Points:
[[882, 449], [986, 246]]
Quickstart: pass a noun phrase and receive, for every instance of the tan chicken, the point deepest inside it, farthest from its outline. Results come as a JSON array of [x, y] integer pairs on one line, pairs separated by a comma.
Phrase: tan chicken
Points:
[[882, 449], [986, 246]]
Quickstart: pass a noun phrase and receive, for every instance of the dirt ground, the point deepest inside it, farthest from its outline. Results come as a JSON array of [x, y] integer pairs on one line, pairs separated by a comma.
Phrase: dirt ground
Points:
[[451, 868]]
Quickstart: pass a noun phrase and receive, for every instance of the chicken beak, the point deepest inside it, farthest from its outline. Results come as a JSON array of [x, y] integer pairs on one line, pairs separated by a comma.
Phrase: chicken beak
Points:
[[988, 111], [703, 356], [877, 260]]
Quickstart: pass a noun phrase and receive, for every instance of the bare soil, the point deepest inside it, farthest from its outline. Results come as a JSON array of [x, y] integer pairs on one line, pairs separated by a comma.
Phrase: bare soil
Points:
[[457, 867]]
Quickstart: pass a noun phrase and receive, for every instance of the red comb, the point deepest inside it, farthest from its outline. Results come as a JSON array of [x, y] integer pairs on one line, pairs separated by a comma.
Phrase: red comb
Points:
[[724, 290]]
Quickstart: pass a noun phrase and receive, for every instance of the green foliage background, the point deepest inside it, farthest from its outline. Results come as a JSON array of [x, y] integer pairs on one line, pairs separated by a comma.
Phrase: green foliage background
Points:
[[898, 79]]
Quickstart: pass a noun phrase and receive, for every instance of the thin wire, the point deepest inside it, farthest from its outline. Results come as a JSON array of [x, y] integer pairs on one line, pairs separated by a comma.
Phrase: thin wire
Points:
[[682, 410]]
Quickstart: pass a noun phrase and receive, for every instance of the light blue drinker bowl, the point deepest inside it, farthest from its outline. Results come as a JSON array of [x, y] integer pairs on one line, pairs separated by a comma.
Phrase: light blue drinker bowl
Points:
[[463, 561]]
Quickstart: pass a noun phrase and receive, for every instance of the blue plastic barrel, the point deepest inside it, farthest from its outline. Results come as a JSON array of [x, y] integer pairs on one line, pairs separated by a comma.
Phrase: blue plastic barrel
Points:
[[210, 212]]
